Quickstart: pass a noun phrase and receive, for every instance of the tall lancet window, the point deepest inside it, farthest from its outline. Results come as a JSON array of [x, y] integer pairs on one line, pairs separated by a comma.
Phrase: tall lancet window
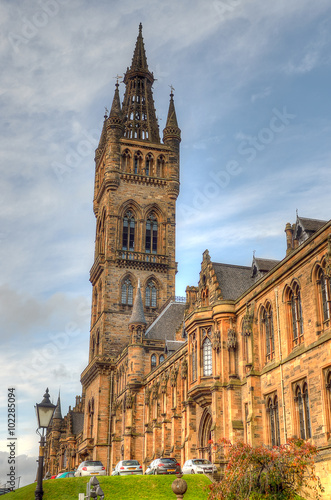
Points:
[[151, 234], [150, 300], [127, 292], [128, 232]]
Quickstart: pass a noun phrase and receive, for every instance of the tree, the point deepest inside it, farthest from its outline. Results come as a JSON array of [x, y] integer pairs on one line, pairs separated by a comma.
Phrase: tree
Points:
[[281, 473]]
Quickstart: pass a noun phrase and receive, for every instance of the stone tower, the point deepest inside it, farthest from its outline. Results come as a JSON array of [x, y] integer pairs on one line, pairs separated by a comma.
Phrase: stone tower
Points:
[[135, 193], [136, 187]]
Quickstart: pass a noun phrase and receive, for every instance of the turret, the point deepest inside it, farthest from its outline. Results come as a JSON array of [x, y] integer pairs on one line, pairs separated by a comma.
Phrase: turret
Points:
[[171, 137], [137, 328]]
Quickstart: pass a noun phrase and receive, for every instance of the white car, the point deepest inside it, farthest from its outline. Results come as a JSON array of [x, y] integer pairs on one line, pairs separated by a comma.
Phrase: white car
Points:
[[126, 467], [90, 468], [198, 466]]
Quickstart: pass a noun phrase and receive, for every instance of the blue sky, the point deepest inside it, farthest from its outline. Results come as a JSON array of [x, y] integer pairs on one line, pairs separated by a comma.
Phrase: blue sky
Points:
[[252, 85]]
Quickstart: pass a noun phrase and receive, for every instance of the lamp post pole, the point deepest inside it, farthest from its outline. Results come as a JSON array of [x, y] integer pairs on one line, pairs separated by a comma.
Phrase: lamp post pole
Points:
[[39, 489], [44, 411]]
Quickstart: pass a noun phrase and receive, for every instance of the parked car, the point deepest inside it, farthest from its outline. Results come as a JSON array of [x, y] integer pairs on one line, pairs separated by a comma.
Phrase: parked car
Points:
[[163, 466], [125, 467], [65, 474], [198, 466], [90, 468]]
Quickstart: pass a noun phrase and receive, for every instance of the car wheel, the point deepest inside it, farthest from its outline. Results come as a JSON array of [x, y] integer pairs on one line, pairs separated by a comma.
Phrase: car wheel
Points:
[[155, 472], [192, 471]]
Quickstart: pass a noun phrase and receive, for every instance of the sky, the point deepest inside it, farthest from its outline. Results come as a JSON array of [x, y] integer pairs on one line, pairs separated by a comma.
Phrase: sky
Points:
[[252, 97]]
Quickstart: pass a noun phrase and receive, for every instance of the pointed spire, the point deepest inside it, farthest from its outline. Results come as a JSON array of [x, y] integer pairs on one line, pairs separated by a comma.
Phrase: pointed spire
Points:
[[57, 411], [172, 118], [171, 129], [137, 316], [139, 59], [116, 110], [139, 115]]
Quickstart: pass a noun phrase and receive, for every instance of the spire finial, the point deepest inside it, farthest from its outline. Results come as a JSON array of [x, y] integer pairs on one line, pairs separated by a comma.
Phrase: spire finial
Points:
[[140, 29], [172, 90]]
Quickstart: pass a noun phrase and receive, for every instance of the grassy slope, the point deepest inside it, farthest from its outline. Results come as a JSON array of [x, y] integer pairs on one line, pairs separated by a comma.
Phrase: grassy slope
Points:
[[121, 488]]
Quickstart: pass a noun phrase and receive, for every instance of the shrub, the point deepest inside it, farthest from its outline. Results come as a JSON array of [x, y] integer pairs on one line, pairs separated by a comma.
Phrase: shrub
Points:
[[280, 473]]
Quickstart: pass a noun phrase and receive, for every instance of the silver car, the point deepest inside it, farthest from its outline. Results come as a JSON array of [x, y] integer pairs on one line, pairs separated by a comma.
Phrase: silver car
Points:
[[90, 468], [198, 466], [126, 467]]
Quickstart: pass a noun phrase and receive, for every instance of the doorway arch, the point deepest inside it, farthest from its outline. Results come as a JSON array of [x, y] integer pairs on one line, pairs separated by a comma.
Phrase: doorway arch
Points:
[[205, 435]]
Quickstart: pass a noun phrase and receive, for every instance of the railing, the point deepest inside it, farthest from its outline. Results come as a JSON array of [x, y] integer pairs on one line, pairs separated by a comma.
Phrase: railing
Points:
[[142, 257]]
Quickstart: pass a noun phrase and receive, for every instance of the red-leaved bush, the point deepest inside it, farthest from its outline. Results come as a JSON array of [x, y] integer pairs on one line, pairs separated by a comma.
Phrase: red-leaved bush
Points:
[[281, 473]]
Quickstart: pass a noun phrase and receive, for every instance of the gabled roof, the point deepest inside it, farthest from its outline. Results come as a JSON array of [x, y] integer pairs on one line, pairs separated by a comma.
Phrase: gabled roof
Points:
[[173, 345], [233, 280], [167, 323], [311, 225], [304, 228], [260, 267]]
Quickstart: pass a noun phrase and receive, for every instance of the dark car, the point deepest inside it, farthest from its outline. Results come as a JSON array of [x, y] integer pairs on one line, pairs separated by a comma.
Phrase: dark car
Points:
[[164, 466]]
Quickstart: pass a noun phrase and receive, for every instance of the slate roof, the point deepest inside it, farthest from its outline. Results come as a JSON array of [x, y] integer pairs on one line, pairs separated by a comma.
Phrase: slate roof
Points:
[[77, 422], [311, 225], [266, 265], [173, 345], [167, 323], [233, 280]]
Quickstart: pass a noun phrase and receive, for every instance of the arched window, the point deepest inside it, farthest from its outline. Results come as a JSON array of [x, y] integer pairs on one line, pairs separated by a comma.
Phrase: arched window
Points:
[[295, 314], [323, 283], [128, 231], [149, 164], [153, 361], [272, 409], [268, 332], [97, 343], [194, 360], [327, 374], [205, 297], [302, 403], [126, 160], [161, 358], [151, 234], [127, 292], [137, 162], [160, 166], [150, 297], [207, 358]]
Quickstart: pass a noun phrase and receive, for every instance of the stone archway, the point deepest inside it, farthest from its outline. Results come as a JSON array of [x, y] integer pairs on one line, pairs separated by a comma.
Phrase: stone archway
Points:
[[205, 435]]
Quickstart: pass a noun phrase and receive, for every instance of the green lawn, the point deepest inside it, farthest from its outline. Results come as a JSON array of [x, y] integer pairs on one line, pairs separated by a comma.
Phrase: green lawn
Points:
[[121, 488]]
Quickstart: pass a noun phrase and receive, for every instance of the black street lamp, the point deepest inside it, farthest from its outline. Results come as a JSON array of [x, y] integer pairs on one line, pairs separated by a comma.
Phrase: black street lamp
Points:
[[44, 411]]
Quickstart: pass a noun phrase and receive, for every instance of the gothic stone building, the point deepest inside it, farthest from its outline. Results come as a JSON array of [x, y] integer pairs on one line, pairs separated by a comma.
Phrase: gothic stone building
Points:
[[246, 355]]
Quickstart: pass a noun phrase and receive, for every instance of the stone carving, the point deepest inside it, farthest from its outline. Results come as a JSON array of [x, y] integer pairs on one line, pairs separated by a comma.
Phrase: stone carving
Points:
[[164, 382], [129, 400], [248, 320], [173, 376], [155, 390], [232, 339], [184, 368], [216, 342], [147, 395]]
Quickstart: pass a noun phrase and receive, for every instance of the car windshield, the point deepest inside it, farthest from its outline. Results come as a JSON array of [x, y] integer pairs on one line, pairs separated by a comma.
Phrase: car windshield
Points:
[[201, 461], [130, 462], [92, 464], [168, 460]]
